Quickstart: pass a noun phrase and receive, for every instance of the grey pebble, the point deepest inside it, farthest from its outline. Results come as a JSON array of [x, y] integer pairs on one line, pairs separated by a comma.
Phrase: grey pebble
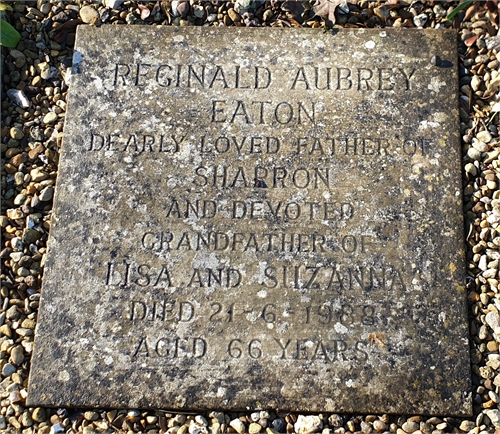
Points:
[[410, 427], [88, 14], [278, 424], [18, 97], [17, 244], [46, 194], [474, 154], [8, 369]]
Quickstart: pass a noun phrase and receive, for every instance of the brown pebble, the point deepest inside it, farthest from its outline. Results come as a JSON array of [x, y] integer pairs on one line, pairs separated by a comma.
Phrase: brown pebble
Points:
[[492, 346], [473, 297], [39, 414], [32, 154], [18, 159], [489, 404], [10, 168], [5, 330]]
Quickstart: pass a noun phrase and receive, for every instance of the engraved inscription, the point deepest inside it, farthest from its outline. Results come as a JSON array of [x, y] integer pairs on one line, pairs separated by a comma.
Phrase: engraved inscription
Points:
[[208, 76], [227, 218]]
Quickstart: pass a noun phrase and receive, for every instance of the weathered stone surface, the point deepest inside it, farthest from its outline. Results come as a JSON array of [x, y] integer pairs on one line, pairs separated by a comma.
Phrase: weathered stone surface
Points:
[[249, 219]]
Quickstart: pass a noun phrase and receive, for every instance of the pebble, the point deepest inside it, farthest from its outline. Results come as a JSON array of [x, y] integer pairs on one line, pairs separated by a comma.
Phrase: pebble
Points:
[[17, 355], [26, 419], [91, 415], [474, 154], [201, 420], [238, 426], [19, 58], [8, 369], [493, 396], [410, 427], [471, 169], [484, 136], [57, 428], [46, 194], [366, 428], [18, 97], [45, 71], [492, 346], [494, 416], [254, 428], [379, 426], [493, 320], [114, 4], [278, 424], [479, 145], [235, 16], [38, 174], [420, 20], [50, 118], [17, 244], [45, 8], [467, 425], [483, 263], [199, 11], [37, 134], [88, 14], [308, 424], [475, 83], [39, 414]]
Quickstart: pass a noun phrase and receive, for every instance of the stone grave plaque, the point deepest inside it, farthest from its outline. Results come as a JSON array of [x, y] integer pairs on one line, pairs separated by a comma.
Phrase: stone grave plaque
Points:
[[250, 219]]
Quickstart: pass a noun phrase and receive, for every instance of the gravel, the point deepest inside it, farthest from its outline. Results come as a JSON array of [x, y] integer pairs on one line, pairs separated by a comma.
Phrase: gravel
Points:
[[34, 91]]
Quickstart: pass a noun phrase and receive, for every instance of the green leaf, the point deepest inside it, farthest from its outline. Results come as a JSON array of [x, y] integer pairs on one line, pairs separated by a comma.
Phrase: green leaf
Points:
[[5, 7], [9, 36], [459, 8]]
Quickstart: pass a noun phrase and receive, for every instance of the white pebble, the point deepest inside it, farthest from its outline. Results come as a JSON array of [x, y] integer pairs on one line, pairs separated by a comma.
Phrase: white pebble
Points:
[[18, 97], [484, 136], [238, 425]]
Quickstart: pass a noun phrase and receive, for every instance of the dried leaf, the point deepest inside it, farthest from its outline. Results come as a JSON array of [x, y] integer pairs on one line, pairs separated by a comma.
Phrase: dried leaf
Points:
[[470, 41], [294, 23], [145, 12], [326, 8], [492, 5], [280, 23], [470, 11], [5, 7], [183, 9], [62, 32], [374, 338], [383, 12]]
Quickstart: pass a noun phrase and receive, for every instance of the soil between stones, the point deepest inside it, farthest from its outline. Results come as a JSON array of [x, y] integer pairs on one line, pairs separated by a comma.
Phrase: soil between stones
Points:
[[34, 89]]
